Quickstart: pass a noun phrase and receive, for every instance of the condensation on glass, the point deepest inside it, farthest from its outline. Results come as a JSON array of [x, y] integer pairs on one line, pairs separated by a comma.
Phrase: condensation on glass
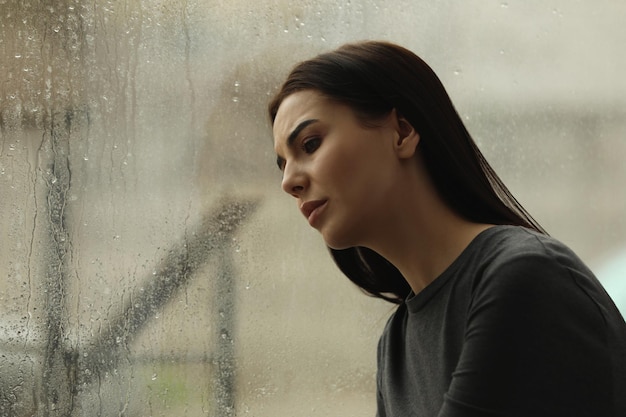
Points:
[[149, 263]]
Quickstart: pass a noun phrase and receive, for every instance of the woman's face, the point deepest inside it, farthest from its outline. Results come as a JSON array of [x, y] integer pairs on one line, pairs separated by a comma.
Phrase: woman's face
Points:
[[343, 175]]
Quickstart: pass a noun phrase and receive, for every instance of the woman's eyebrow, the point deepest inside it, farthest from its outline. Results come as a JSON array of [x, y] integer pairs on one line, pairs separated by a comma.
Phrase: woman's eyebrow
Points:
[[292, 137], [294, 134]]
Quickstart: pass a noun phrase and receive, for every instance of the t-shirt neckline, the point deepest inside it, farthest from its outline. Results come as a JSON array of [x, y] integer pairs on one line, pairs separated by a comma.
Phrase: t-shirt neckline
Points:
[[415, 302]]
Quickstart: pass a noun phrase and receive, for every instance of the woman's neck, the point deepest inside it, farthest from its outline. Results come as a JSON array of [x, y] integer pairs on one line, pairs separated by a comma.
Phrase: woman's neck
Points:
[[421, 235], [421, 260]]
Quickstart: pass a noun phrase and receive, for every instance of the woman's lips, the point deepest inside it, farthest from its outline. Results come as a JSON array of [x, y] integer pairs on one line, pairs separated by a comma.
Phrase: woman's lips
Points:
[[312, 209]]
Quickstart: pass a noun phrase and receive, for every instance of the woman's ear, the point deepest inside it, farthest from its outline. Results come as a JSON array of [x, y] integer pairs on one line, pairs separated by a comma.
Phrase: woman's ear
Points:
[[408, 138]]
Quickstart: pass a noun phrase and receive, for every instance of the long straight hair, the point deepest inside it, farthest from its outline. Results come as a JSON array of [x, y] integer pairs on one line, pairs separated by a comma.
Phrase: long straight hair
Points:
[[373, 78]]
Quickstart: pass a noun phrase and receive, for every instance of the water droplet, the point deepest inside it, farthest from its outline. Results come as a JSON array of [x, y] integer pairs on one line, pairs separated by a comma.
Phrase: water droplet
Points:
[[18, 55], [504, 5], [235, 99], [154, 377]]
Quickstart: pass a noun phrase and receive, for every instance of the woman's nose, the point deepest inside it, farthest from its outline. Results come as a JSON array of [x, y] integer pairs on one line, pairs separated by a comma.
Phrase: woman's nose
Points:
[[294, 180]]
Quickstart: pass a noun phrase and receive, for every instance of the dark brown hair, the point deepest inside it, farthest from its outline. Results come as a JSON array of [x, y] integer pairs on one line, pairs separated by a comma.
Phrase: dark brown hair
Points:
[[375, 77]]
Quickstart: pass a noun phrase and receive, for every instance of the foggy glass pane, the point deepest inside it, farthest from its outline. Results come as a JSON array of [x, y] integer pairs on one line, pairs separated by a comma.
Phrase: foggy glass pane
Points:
[[150, 263]]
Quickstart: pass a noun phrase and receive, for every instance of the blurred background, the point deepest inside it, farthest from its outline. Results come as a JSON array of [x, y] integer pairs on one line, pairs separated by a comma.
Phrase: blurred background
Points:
[[150, 264]]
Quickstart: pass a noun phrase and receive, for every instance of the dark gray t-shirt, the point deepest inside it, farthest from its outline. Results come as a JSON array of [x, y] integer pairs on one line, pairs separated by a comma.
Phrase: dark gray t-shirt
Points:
[[516, 326]]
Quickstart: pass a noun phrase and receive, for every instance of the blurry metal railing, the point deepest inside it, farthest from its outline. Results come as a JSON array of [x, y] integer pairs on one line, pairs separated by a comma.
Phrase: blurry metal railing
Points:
[[207, 242], [63, 366]]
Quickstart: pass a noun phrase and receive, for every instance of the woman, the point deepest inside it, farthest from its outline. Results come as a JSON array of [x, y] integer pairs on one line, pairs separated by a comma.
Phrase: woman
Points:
[[495, 318]]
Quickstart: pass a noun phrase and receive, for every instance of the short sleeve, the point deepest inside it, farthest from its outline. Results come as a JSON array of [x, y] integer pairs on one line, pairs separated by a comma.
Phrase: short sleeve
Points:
[[534, 339]]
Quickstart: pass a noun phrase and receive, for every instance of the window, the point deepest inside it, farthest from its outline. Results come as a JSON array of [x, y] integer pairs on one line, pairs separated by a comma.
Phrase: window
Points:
[[150, 264]]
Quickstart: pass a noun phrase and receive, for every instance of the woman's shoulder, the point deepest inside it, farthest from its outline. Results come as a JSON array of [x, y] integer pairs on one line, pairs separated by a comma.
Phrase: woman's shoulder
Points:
[[525, 269], [506, 245], [517, 238]]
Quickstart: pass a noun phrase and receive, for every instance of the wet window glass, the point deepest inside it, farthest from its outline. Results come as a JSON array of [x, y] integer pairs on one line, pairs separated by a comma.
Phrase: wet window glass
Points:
[[150, 263]]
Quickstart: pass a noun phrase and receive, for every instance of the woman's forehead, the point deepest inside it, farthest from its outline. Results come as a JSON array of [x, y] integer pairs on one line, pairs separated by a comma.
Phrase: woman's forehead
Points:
[[297, 107], [300, 101]]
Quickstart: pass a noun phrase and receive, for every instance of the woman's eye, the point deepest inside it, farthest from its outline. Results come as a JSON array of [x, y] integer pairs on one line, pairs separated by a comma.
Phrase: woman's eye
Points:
[[310, 145]]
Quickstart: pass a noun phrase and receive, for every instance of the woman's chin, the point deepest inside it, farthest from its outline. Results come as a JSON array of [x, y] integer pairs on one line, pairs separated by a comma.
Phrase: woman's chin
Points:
[[337, 243], [338, 247]]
